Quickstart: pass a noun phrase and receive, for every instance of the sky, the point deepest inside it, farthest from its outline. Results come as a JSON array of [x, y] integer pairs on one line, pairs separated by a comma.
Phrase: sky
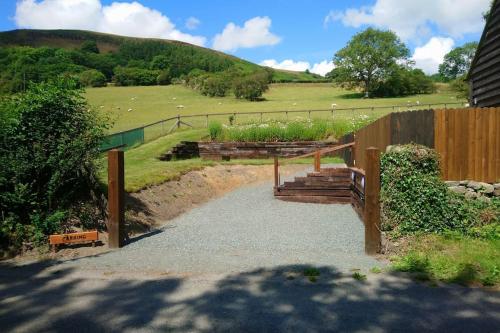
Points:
[[287, 34]]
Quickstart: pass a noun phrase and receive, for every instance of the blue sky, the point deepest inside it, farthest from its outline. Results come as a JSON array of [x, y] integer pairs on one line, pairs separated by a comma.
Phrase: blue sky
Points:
[[290, 34]]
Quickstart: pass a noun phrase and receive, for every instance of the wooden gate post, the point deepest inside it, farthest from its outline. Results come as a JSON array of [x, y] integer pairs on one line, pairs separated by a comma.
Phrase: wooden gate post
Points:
[[317, 161], [373, 238], [116, 199], [276, 173]]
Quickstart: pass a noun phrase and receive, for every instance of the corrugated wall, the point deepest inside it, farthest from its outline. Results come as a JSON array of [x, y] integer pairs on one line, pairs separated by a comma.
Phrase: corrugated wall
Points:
[[485, 70]]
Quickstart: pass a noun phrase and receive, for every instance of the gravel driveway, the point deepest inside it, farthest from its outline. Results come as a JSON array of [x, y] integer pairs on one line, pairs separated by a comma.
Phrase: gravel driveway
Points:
[[244, 230]]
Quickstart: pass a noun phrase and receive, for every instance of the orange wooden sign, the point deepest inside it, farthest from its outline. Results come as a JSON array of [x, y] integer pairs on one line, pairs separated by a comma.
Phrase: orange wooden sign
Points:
[[77, 237]]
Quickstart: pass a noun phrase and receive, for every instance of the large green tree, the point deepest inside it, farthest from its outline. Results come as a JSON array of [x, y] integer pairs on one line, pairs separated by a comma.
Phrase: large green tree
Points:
[[369, 58], [457, 62]]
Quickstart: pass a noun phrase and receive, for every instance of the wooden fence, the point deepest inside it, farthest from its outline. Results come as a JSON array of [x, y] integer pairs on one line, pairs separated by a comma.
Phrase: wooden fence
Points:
[[468, 140]]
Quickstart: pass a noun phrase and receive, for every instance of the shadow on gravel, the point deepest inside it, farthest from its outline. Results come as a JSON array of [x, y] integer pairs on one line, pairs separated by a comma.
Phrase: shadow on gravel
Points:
[[35, 299]]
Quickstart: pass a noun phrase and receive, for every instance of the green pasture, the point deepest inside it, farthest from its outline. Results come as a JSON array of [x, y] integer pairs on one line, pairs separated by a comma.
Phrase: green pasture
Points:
[[131, 107]]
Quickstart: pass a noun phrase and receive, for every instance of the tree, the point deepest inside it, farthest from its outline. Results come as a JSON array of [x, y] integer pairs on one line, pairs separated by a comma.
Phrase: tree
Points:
[[250, 87], [457, 62], [49, 143], [89, 46], [369, 58], [92, 78]]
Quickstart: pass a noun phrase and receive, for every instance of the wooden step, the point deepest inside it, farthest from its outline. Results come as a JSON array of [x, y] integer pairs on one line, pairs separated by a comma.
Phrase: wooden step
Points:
[[315, 199], [319, 192], [301, 186]]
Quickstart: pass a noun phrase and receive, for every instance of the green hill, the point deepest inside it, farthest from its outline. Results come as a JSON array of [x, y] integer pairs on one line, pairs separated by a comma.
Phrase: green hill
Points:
[[60, 51]]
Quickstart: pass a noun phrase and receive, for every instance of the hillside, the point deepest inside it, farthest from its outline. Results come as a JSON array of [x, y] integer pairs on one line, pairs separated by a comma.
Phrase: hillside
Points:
[[111, 45]]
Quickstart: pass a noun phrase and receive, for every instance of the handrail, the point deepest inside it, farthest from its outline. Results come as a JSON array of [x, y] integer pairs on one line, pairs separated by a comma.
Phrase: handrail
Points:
[[317, 159]]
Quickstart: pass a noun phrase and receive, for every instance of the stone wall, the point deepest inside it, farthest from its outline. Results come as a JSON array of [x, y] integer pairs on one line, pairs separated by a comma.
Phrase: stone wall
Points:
[[475, 190]]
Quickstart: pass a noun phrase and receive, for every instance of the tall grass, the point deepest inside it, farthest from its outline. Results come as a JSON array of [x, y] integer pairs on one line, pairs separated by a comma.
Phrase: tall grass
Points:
[[296, 130]]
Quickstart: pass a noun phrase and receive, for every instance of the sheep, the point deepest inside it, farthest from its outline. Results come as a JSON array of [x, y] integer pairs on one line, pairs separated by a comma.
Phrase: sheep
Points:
[[294, 104], [130, 110], [334, 105], [180, 106]]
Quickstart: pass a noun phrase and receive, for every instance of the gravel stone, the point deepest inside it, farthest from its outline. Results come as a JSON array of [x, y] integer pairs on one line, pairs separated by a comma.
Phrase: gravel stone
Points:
[[244, 230]]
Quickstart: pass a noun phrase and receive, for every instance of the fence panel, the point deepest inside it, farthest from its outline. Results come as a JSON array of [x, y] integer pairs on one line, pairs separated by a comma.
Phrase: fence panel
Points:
[[377, 134], [468, 141]]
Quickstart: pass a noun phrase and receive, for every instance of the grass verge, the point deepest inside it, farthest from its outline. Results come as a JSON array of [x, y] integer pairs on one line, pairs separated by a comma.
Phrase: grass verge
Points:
[[451, 259]]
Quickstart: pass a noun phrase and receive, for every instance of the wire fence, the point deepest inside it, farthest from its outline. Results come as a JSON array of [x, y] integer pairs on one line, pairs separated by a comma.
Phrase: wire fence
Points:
[[137, 136]]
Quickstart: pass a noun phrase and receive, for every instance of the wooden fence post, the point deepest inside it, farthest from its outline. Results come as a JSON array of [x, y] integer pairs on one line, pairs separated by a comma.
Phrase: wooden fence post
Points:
[[276, 172], [373, 238], [116, 199], [317, 161]]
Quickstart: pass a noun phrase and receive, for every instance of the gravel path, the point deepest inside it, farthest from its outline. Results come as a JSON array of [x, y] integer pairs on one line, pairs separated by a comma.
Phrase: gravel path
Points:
[[244, 230]]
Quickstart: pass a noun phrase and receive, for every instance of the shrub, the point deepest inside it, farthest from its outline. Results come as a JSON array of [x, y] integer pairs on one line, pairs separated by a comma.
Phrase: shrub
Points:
[[164, 78], [49, 139], [125, 76], [250, 87], [92, 78], [214, 86], [215, 130], [414, 199]]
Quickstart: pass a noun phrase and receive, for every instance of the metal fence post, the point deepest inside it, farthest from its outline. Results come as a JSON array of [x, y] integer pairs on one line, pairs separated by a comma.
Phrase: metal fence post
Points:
[[207, 121], [373, 237], [116, 199], [178, 121]]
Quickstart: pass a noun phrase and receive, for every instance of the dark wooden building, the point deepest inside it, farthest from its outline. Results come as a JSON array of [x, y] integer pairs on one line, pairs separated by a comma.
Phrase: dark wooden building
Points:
[[484, 74]]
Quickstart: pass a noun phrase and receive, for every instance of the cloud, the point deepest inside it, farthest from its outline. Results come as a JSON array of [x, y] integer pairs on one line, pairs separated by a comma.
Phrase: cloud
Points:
[[289, 65], [415, 19], [192, 23], [321, 68], [255, 32], [122, 18], [429, 56]]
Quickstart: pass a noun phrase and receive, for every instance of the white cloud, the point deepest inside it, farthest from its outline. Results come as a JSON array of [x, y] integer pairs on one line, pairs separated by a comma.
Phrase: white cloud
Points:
[[412, 19], [123, 18], [429, 56], [192, 23], [321, 68], [255, 32], [289, 65]]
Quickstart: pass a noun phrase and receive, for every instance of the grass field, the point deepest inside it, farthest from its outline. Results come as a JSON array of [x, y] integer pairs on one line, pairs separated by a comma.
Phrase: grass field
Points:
[[144, 169], [150, 104]]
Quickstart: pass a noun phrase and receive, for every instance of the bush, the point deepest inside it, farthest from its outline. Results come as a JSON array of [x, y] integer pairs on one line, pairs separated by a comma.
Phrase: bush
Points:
[[164, 78], [405, 82], [49, 140], [215, 130], [125, 76], [92, 78], [214, 86], [250, 87], [414, 199]]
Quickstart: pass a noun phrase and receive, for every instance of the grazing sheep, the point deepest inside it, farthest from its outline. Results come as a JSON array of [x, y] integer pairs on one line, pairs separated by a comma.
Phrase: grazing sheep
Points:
[[294, 104], [174, 98], [334, 105], [130, 110], [180, 106]]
